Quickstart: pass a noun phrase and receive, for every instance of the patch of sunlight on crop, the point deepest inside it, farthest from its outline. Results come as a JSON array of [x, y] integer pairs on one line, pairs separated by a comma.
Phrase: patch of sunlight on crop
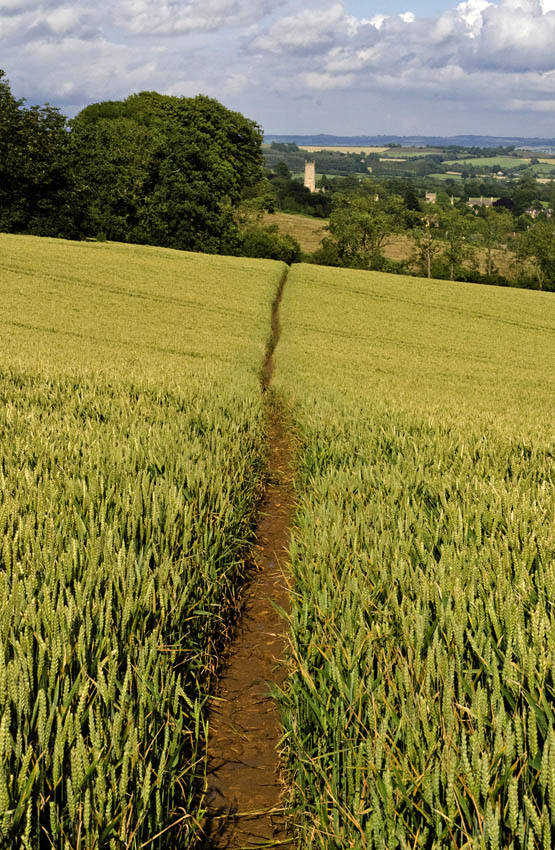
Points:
[[131, 310], [456, 351]]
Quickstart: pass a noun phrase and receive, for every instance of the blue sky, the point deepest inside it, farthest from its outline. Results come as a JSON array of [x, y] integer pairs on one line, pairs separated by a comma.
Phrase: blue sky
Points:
[[298, 66]]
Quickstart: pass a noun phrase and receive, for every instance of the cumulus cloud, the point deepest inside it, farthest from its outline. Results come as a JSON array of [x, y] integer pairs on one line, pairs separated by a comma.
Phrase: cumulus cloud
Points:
[[47, 21], [473, 49], [175, 17], [518, 36], [307, 30], [31, 18], [17, 7], [487, 57]]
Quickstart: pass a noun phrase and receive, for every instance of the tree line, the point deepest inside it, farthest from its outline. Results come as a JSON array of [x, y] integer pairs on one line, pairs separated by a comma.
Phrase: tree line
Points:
[[150, 169], [497, 244], [188, 173], [453, 243]]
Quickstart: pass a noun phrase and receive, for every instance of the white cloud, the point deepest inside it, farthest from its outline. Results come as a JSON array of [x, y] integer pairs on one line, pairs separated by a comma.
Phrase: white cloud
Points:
[[516, 36], [175, 17], [512, 36], [471, 13], [478, 57], [134, 17], [305, 30], [531, 105]]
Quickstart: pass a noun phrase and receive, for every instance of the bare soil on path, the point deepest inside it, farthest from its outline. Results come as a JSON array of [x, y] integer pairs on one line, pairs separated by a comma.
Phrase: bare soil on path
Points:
[[243, 794]]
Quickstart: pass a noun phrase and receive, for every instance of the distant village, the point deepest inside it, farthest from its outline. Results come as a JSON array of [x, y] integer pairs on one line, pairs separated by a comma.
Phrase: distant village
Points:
[[431, 197]]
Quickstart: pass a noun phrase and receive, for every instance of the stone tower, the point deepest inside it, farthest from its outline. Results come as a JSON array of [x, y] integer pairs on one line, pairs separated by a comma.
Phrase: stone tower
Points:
[[310, 176]]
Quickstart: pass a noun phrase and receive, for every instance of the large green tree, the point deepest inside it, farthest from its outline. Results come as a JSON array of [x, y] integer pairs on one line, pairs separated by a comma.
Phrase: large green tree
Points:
[[37, 190], [166, 170], [493, 226], [457, 230], [537, 244], [361, 223]]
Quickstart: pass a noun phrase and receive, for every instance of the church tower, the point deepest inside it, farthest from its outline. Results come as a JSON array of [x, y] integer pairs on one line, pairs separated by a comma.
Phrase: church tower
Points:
[[310, 176]]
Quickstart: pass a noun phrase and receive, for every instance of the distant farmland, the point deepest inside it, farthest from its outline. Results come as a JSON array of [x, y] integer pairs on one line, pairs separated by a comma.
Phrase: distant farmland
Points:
[[309, 233], [507, 162], [365, 149]]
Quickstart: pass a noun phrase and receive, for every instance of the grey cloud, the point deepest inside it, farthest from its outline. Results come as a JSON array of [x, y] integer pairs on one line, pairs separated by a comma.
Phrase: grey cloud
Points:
[[516, 37], [267, 56], [311, 31], [30, 19], [175, 17], [515, 34], [10, 8], [51, 22]]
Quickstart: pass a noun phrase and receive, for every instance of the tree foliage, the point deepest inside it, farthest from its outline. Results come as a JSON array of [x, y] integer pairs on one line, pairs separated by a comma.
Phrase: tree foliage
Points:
[[37, 191], [361, 224], [456, 230], [427, 244], [166, 170], [268, 242], [150, 169], [538, 245], [493, 226]]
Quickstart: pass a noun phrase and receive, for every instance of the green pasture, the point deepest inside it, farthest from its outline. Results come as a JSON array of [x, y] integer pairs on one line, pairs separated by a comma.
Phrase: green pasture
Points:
[[446, 176], [420, 706], [544, 169], [504, 162], [410, 153], [132, 456]]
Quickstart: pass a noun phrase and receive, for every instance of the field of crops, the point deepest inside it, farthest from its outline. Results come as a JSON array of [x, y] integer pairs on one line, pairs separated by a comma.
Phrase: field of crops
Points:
[[132, 454], [411, 153], [365, 149], [420, 707], [544, 168], [506, 162], [308, 231], [446, 176]]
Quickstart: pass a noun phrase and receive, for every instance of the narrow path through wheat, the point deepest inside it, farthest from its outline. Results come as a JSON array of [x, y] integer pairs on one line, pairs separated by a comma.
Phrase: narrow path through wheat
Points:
[[243, 787]]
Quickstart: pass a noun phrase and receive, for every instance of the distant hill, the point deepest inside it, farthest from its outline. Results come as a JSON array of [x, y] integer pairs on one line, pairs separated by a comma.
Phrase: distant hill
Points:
[[417, 141]]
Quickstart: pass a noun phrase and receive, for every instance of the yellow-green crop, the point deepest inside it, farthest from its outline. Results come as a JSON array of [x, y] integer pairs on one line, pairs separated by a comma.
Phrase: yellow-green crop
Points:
[[420, 708], [131, 436]]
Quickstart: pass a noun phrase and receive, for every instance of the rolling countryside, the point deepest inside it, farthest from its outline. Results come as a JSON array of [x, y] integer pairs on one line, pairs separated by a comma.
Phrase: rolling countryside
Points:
[[277, 425]]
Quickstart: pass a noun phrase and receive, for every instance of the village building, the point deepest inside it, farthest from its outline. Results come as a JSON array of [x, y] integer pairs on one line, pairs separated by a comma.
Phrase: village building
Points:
[[534, 213], [431, 198], [481, 202]]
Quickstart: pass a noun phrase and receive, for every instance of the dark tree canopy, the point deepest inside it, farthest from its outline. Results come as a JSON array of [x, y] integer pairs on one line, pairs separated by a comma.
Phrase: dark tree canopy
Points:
[[150, 169], [165, 170], [37, 193]]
